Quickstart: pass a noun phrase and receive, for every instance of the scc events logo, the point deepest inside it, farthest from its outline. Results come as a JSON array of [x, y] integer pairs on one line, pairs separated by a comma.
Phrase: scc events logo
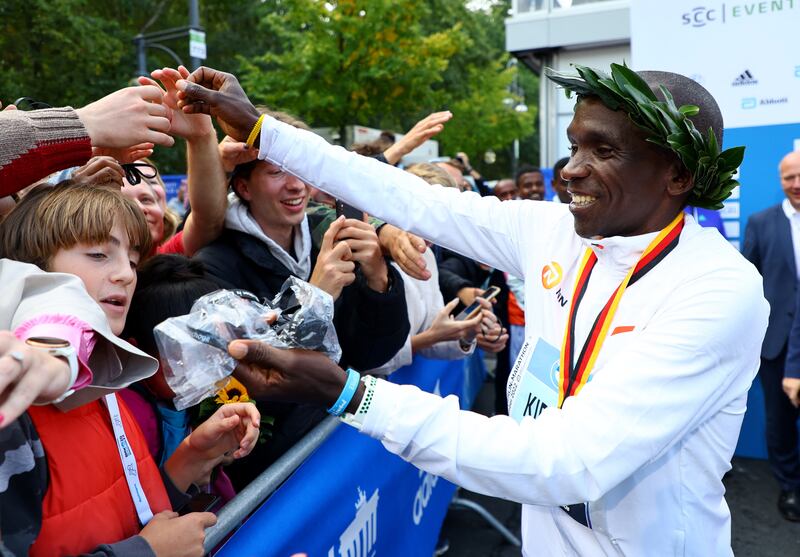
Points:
[[552, 273], [700, 16]]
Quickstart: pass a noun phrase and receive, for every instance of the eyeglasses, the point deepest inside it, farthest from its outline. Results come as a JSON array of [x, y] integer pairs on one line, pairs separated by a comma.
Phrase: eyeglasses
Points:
[[28, 103], [135, 171]]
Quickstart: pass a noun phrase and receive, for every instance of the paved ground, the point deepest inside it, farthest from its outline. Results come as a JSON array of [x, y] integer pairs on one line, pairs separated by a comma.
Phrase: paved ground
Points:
[[758, 529]]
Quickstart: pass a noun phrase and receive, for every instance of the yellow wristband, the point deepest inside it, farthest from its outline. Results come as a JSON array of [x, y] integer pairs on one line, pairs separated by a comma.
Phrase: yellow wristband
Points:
[[256, 130]]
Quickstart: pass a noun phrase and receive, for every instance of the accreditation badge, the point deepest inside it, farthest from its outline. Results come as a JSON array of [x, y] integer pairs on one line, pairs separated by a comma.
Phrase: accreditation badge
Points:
[[533, 381]]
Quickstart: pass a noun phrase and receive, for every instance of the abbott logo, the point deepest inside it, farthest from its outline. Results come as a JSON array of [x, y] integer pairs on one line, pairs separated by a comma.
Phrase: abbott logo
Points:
[[749, 102], [361, 535], [552, 273]]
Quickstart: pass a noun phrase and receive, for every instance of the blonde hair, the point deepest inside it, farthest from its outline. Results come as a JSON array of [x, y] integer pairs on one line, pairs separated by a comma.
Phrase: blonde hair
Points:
[[52, 219], [432, 174]]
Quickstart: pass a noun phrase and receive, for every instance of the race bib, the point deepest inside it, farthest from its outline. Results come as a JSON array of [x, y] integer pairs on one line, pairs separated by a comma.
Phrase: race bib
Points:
[[533, 382], [532, 387]]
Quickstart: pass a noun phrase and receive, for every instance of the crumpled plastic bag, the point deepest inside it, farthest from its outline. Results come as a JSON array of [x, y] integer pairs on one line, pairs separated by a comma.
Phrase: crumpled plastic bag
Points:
[[194, 347]]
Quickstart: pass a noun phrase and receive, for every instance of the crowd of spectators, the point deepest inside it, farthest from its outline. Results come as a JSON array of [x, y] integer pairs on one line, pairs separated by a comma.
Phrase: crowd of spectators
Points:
[[94, 256]]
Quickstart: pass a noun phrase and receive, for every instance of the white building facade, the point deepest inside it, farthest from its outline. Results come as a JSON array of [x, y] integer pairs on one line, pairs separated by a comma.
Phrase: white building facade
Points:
[[557, 33]]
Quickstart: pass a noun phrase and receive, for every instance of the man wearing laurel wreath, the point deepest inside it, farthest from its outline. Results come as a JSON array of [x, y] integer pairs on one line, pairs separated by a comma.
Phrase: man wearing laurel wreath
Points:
[[627, 399]]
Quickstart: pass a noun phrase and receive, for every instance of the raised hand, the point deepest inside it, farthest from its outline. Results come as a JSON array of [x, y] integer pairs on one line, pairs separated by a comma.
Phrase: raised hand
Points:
[[187, 126], [233, 153], [445, 327], [219, 94], [406, 250], [125, 155], [491, 335], [99, 170], [233, 427], [128, 117], [416, 136], [334, 268]]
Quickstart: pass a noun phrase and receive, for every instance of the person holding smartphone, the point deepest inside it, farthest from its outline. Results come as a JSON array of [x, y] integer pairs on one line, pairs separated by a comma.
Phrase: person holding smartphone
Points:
[[645, 330]]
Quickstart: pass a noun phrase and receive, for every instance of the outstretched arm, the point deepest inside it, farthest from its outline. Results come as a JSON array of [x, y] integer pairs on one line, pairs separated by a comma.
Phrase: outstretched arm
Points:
[[205, 176], [41, 142], [481, 228], [581, 451]]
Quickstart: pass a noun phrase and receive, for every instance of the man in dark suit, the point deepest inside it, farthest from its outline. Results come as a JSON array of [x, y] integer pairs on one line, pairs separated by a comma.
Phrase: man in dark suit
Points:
[[772, 244]]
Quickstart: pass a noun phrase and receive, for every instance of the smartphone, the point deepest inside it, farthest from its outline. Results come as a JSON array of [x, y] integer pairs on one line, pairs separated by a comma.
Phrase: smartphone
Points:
[[200, 503], [472, 310], [348, 211]]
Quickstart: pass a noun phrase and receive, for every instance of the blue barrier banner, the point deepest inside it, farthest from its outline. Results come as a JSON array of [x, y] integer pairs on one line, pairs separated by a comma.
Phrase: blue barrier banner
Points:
[[352, 498]]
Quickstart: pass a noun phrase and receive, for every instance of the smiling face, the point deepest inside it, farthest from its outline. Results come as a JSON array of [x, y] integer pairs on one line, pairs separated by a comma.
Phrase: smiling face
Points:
[[505, 190], [621, 185], [108, 271], [147, 200], [790, 178], [531, 186], [277, 200]]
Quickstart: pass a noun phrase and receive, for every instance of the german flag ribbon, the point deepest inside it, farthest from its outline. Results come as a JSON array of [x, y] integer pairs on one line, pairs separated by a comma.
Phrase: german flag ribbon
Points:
[[574, 374]]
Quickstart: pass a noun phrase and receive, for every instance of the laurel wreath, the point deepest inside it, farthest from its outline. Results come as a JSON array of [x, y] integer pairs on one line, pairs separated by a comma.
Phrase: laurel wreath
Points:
[[668, 126]]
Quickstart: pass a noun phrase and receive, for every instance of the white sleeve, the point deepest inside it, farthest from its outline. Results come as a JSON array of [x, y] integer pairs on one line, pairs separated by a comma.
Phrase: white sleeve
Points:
[[695, 358], [481, 228]]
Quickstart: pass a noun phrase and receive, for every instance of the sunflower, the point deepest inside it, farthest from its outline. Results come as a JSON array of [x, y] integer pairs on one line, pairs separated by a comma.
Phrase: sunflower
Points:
[[233, 391]]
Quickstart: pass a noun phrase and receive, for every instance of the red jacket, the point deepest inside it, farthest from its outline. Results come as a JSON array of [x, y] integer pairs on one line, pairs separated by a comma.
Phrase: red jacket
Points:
[[87, 501]]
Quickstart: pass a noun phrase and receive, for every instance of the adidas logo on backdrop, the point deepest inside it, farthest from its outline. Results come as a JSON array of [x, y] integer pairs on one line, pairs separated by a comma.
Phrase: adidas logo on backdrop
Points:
[[745, 78]]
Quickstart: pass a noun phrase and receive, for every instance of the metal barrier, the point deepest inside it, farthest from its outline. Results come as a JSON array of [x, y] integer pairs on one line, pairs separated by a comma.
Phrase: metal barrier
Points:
[[236, 510]]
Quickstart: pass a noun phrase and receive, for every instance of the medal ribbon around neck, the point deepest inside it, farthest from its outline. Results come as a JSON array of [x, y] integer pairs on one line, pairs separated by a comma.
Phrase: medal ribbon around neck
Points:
[[574, 374]]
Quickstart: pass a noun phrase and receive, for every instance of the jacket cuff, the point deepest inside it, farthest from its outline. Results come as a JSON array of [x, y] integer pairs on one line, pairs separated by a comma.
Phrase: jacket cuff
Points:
[[395, 286], [177, 498], [135, 546]]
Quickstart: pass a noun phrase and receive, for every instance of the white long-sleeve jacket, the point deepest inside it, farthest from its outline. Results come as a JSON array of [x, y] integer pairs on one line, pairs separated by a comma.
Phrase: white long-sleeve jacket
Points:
[[647, 440]]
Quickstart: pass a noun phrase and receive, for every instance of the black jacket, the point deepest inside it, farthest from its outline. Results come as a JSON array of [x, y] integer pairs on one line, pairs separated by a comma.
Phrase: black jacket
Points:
[[371, 327]]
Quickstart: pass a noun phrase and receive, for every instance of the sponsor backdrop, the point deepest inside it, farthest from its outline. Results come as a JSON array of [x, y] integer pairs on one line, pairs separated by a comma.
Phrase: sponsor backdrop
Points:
[[352, 498], [739, 51]]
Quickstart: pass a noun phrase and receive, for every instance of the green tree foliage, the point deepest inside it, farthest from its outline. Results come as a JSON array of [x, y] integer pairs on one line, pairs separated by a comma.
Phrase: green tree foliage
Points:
[[387, 64], [58, 51], [370, 62], [353, 62]]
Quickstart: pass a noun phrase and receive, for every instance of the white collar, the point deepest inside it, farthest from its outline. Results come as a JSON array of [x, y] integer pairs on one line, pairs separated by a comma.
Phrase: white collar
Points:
[[788, 209], [622, 252]]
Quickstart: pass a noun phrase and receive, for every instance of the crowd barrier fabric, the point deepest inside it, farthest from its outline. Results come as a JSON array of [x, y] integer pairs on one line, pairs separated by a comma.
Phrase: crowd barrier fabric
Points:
[[352, 498]]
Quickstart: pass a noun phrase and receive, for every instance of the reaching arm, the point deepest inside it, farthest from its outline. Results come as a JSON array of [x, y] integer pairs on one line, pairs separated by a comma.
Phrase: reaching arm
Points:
[[480, 228], [207, 193], [206, 178], [607, 432], [694, 360]]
